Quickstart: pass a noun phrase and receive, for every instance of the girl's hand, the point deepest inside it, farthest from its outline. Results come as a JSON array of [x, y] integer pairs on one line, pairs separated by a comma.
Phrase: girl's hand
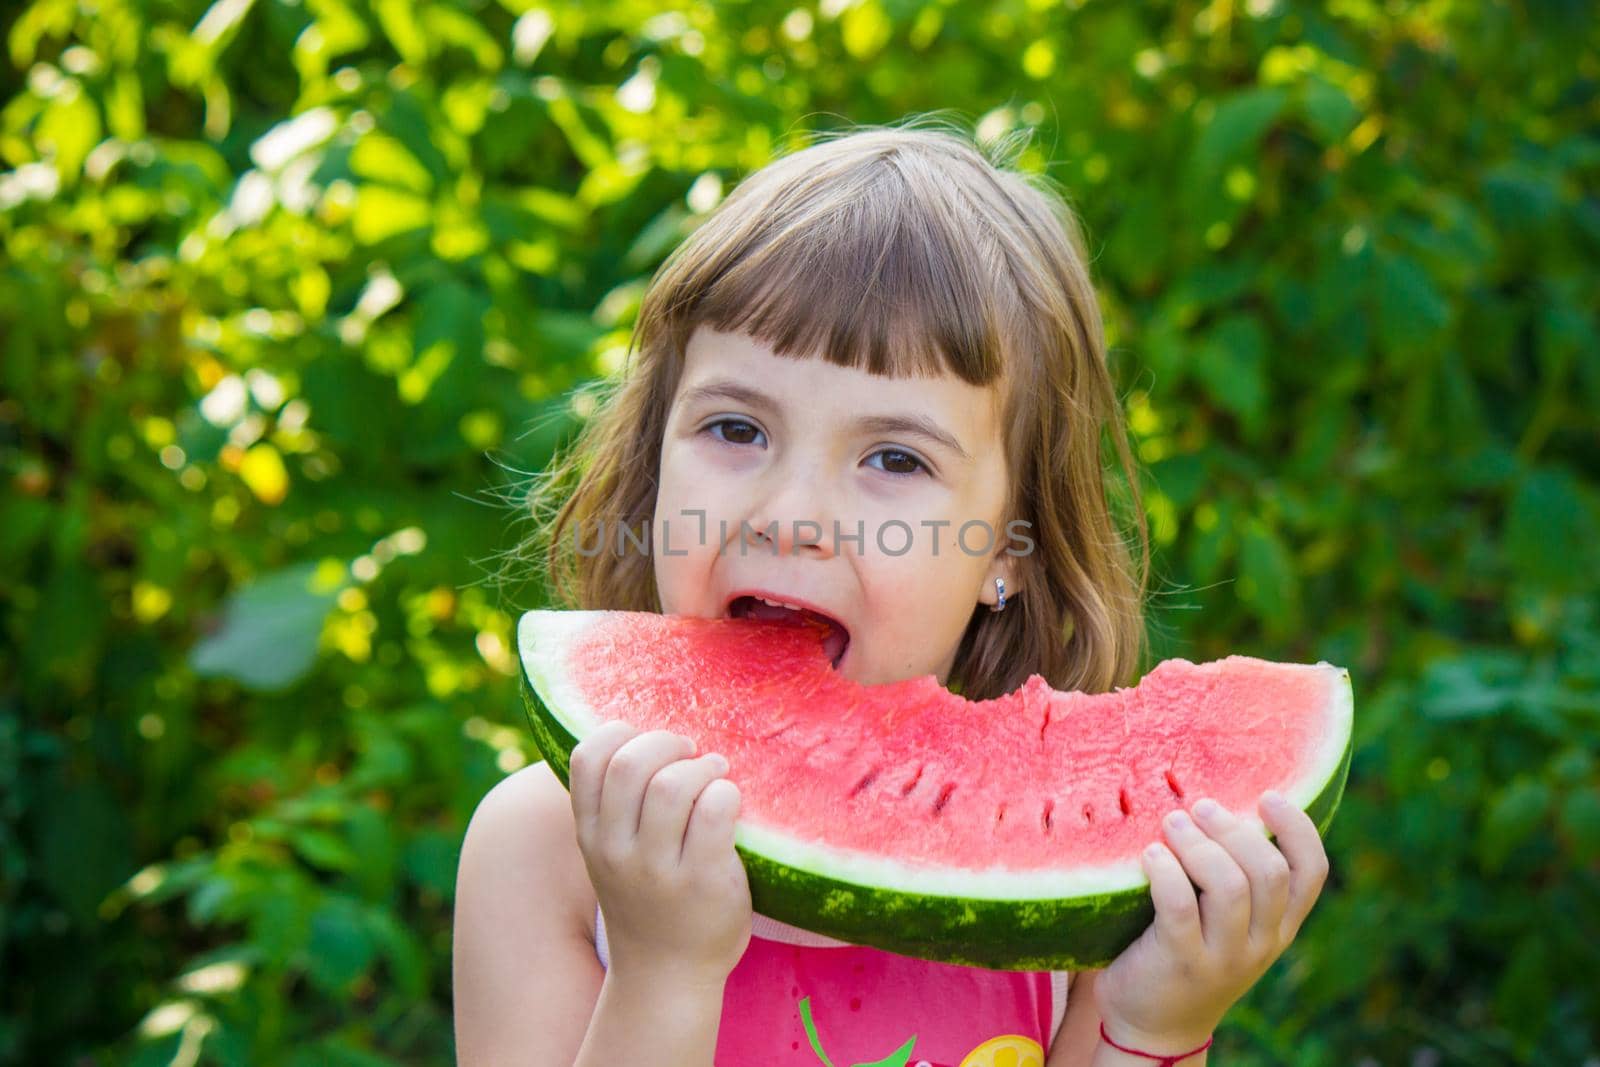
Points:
[[1169, 989], [655, 827]]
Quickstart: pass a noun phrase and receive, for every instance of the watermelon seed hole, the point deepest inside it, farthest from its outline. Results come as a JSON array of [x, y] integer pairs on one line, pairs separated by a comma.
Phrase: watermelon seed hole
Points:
[[1172, 784], [866, 780], [1045, 726], [1049, 810], [1122, 802], [906, 789], [944, 797], [1000, 815], [1088, 813]]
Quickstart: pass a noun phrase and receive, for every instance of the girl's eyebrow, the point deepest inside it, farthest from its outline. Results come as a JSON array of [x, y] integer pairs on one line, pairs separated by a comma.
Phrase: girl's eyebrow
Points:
[[728, 389], [897, 423], [914, 425]]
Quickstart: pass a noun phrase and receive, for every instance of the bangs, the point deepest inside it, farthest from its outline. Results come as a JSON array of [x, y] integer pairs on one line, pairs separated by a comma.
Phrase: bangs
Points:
[[877, 269]]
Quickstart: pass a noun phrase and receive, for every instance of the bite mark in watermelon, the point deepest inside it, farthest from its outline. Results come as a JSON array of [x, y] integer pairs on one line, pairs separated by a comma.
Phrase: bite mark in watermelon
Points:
[[1000, 833]]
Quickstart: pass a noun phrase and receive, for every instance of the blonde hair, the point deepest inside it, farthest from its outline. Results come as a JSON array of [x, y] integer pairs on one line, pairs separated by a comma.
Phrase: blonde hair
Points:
[[902, 251]]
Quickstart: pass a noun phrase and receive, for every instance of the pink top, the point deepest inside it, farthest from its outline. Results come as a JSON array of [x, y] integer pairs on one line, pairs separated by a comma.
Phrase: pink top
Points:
[[873, 1008]]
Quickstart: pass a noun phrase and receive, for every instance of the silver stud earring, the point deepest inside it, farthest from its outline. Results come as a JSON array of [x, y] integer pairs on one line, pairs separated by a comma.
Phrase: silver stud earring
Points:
[[1000, 595]]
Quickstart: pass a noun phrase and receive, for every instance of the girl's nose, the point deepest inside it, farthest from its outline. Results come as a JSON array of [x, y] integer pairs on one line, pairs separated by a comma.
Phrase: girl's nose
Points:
[[802, 537], [793, 517]]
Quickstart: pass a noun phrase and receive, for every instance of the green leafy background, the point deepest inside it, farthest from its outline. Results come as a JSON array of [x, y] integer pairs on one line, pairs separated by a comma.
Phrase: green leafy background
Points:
[[292, 290]]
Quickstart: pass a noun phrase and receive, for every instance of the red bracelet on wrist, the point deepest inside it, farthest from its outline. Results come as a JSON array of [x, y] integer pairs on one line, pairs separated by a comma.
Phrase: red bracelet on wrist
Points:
[[1164, 1061]]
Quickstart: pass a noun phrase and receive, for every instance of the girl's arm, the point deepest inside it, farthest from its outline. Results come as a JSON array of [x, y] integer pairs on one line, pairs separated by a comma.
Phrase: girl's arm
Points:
[[528, 987]]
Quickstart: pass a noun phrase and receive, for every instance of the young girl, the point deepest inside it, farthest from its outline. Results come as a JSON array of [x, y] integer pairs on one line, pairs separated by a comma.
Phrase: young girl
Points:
[[883, 331]]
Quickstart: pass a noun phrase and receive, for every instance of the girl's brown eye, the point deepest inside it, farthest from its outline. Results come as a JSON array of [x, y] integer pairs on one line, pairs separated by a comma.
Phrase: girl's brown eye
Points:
[[898, 462], [734, 431]]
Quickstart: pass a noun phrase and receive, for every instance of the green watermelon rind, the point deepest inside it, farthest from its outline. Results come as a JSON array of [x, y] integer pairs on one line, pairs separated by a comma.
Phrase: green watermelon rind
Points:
[[1084, 931]]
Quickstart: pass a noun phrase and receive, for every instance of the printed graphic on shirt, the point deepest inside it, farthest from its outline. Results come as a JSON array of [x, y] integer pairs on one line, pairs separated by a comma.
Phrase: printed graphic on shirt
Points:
[[1007, 1050]]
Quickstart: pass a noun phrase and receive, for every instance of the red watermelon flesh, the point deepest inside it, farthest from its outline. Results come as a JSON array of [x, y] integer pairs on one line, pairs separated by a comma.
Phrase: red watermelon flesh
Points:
[[906, 788]]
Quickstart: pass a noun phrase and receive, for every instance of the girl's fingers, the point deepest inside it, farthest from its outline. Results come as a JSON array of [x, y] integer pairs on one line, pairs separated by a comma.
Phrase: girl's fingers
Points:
[[709, 836], [669, 798], [1177, 910], [586, 772], [1263, 865], [1224, 890], [622, 794], [1301, 846]]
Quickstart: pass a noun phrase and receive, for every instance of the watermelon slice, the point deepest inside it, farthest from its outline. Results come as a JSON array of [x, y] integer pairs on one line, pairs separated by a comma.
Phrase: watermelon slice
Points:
[[1001, 833]]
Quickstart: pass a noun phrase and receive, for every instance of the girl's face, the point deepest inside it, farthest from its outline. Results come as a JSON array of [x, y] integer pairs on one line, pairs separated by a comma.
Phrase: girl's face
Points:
[[827, 453]]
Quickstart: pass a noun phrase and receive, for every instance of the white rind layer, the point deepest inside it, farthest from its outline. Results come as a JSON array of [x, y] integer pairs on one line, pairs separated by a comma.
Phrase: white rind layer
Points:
[[1340, 719], [544, 638]]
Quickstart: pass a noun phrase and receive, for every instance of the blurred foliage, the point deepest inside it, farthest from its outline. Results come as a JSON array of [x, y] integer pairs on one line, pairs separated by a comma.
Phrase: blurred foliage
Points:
[[286, 283]]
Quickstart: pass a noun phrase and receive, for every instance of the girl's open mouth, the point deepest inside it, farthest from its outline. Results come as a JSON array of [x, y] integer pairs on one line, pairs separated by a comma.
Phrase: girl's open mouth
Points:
[[835, 642]]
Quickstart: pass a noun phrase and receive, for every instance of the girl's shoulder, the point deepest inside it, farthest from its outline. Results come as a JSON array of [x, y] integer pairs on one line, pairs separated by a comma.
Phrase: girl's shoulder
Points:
[[524, 971], [525, 823]]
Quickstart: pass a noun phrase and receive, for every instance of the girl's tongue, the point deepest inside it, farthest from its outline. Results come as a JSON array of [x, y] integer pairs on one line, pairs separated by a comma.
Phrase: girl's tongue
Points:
[[833, 644]]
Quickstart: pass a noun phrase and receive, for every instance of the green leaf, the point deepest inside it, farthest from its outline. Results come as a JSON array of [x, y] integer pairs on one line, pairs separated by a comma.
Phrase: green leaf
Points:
[[341, 947], [431, 860], [65, 631], [382, 212], [897, 1058], [1470, 686], [84, 846], [553, 207], [657, 237], [1329, 112], [1231, 364], [1211, 545], [405, 951], [69, 130], [610, 182], [214, 897], [1143, 225], [1552, 538], [1267, 580], [380, 158], [322, 849], [451, 313], [1411, 311], [865, 28], [585, 144], [370, 838], [1517, 810], [340, 30], [399, 21], [1580, 822], [454, 27], [1216, 285], [1521, 196], [269, 631], [35, 22], [811, 1032], [1235, 129], [1525, 989], [1183, 477], [339, 1052], [280, 917], [124, 107]]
